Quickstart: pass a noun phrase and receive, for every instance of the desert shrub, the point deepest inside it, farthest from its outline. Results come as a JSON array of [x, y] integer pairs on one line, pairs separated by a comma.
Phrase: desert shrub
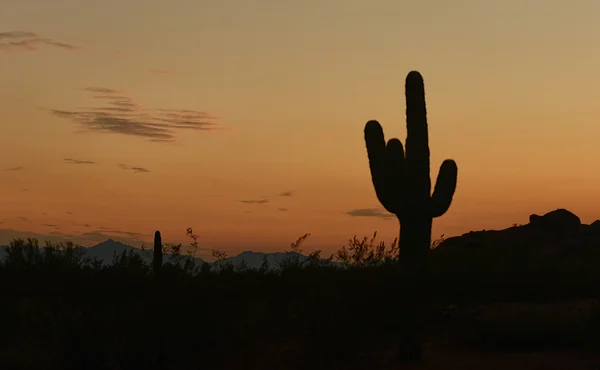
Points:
[[27, 256]]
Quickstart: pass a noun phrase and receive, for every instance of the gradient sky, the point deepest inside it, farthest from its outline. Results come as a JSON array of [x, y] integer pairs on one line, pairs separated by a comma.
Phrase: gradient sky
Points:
[[286, 88]]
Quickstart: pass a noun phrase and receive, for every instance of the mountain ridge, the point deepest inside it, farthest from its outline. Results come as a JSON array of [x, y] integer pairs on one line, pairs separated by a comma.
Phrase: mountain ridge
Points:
[[105, 252]]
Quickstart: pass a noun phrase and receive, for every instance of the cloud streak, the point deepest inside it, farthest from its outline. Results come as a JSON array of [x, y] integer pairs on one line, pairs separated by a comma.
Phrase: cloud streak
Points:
[[118, 113], [134, 169], [77, 161], [21, 41], [103, 90], [18, 168], [255, 201], [369, 212], [286, 194]]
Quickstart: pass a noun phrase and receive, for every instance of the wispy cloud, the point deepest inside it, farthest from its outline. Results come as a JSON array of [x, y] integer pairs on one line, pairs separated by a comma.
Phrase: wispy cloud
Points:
[[134, 169], [159, 72], [369, 212], [104, 90], [120, 114], [283, 209], [77, 161], [21, 41], [25, 219], [286, 194], [18, 168], [255, 201]]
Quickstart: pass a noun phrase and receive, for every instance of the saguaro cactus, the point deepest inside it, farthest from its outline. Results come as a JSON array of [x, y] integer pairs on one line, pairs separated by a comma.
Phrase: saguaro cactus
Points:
[[402, 184], [158, 253]]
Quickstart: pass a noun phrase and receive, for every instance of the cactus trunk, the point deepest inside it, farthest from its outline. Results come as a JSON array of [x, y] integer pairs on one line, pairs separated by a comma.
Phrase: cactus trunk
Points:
[[403, 186], [158, 253], [414, 242]]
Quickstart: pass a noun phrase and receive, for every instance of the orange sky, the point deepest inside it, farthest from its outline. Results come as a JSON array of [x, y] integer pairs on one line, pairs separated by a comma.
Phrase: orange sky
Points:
[[512, 93]]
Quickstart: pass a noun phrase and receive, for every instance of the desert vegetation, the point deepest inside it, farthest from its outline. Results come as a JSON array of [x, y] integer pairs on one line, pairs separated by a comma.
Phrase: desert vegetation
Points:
[[73, 312]]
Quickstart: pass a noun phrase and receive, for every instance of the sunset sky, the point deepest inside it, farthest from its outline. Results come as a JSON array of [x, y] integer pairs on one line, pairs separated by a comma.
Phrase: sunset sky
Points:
[[97, 99]]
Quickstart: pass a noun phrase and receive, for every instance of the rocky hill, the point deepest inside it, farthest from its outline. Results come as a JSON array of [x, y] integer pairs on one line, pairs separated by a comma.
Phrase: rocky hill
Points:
[[553, 233]]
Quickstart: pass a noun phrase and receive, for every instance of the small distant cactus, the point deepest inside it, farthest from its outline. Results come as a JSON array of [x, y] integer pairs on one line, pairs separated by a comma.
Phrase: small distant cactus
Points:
[[402, 184], [158, 253]]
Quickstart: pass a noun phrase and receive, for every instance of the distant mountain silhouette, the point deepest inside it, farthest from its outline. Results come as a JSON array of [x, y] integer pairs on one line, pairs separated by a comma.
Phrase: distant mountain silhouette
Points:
[[255, 260], [105, 251]]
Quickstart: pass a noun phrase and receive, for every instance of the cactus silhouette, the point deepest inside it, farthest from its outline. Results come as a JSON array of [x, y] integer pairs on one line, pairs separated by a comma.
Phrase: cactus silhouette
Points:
[[402, 184], [158, 253]]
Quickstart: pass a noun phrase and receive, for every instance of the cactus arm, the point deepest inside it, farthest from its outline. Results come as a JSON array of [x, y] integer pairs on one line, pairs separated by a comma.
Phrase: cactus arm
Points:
[[444, 188], [376, 152], [417, 141], [395, 178]]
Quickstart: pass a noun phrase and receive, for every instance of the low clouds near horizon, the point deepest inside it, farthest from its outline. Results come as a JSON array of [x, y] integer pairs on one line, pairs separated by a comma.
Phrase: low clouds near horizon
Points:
[[370, 212], [88, 238], [21, 41], [120, 114]]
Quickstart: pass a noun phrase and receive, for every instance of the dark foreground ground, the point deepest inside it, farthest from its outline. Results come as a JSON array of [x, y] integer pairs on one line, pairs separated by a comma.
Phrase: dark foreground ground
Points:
[[294, 322], [488, 312]]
